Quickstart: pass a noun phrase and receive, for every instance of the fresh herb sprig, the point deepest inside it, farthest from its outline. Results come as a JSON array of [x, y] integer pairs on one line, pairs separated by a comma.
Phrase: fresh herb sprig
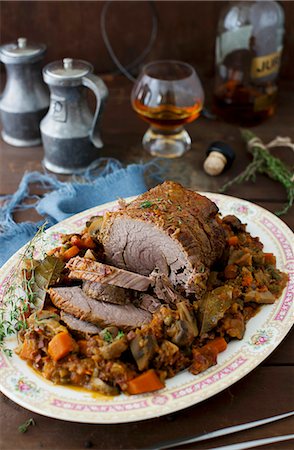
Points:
[[109, 338], [146, 204], [19, 296], [265, 163], [23, 428]]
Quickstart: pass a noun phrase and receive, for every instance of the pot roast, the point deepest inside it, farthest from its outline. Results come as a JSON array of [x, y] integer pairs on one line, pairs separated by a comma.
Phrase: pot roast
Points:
[[169, 228]]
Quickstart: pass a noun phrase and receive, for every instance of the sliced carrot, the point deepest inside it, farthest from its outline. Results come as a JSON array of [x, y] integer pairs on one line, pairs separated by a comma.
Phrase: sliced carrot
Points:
[[60, 345], [88, 242], [247, 280], [218, 345], [76, 240], [269, 259], [233, 240], [53, 251], [147, 382], [29, 349], [83, 243], [70, 252]]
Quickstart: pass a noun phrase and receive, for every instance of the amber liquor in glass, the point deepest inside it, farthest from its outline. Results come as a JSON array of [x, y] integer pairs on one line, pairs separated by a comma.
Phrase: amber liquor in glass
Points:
[[167, 95]]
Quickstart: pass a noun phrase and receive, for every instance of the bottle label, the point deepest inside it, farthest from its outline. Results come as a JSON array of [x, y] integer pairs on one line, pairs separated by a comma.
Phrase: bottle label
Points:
[[231, 41], [263, 66]]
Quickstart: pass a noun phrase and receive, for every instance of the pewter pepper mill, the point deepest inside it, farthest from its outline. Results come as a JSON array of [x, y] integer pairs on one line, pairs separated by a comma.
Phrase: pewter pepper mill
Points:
[[25, 99], [70, 132]]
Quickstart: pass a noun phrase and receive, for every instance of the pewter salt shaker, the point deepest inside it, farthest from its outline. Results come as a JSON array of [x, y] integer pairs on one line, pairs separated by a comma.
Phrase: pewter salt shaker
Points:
[[70, 132], [25, 98]]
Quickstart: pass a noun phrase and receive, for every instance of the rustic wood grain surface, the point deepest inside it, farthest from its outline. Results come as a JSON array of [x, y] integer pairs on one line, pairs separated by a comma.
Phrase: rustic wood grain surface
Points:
[[186, 30], [266, 391]]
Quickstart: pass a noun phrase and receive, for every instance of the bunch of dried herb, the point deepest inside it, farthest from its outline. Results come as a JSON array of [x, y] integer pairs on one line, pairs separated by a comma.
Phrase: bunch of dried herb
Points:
[[265, 163]]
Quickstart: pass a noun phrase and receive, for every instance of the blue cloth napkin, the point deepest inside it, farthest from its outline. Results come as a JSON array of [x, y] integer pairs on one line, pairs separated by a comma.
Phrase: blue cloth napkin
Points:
[[109, 181]]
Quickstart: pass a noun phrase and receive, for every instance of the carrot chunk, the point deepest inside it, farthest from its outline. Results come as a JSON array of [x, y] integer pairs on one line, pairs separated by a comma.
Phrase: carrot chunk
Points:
[[269, 259], [88, 242], [29, 349], [233, 240], [60, 345], [147, 382], [206, 356], [247, 280], [218, 345], [70, 252], [53, 251], [84, 242]]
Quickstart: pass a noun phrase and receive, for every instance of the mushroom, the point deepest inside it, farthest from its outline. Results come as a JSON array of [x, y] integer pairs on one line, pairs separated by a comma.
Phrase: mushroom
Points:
[[143, 349], [114, 349], [181, 333], [188, 316], [94, 226], [99, 385]]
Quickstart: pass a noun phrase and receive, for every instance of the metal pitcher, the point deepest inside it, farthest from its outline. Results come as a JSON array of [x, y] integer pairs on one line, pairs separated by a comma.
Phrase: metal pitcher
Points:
[[70, 132], [25, 99]]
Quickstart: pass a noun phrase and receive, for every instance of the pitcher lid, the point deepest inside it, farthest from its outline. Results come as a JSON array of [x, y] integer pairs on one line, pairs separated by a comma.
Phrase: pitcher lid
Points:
[[21, 51], [67, 72]]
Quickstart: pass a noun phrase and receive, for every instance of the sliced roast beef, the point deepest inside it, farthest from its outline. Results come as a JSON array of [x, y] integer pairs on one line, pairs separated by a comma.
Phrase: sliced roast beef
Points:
[[163, 288], [168, 227], [149, 303], [88, 270], [107, 292], [74, 301], [80, 326]]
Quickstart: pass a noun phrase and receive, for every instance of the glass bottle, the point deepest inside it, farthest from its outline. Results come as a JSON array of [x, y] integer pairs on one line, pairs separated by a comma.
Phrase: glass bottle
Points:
[[248, 54]]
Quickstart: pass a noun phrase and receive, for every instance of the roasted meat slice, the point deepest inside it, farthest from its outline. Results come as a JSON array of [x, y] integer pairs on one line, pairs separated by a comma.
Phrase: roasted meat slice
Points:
[[79, 326], [149, 303], [88, 270], [107, 292], [74, 301], [169, 228]]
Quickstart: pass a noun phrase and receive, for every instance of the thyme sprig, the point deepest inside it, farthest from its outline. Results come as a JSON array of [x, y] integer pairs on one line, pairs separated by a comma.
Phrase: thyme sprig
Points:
[[19, 296], [23, 428], [265, 163]]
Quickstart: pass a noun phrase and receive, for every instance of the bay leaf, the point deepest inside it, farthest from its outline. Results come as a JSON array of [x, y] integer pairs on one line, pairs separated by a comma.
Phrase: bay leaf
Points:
[[46, 274], [213, 307]]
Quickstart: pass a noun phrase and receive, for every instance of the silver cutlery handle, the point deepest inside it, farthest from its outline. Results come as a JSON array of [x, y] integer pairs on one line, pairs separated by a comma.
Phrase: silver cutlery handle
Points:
[[256, 443], [223, 431]]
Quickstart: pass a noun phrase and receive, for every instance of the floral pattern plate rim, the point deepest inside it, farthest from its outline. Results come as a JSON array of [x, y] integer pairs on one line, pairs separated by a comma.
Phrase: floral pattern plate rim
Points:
[[263, 334]]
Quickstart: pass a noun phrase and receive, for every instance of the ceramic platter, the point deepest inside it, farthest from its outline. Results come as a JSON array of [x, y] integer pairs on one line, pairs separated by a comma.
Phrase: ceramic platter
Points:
[[263, 334]]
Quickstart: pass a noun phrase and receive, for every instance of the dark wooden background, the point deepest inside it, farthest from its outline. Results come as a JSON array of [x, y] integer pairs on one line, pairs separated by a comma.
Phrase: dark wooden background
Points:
[[186, 30]]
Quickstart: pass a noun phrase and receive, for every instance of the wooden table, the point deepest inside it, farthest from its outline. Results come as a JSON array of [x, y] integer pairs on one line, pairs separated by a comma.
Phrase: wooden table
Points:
[[266, 391]]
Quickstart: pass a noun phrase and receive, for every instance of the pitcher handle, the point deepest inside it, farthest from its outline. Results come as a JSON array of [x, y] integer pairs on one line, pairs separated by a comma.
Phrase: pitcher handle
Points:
[[100, 90]]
